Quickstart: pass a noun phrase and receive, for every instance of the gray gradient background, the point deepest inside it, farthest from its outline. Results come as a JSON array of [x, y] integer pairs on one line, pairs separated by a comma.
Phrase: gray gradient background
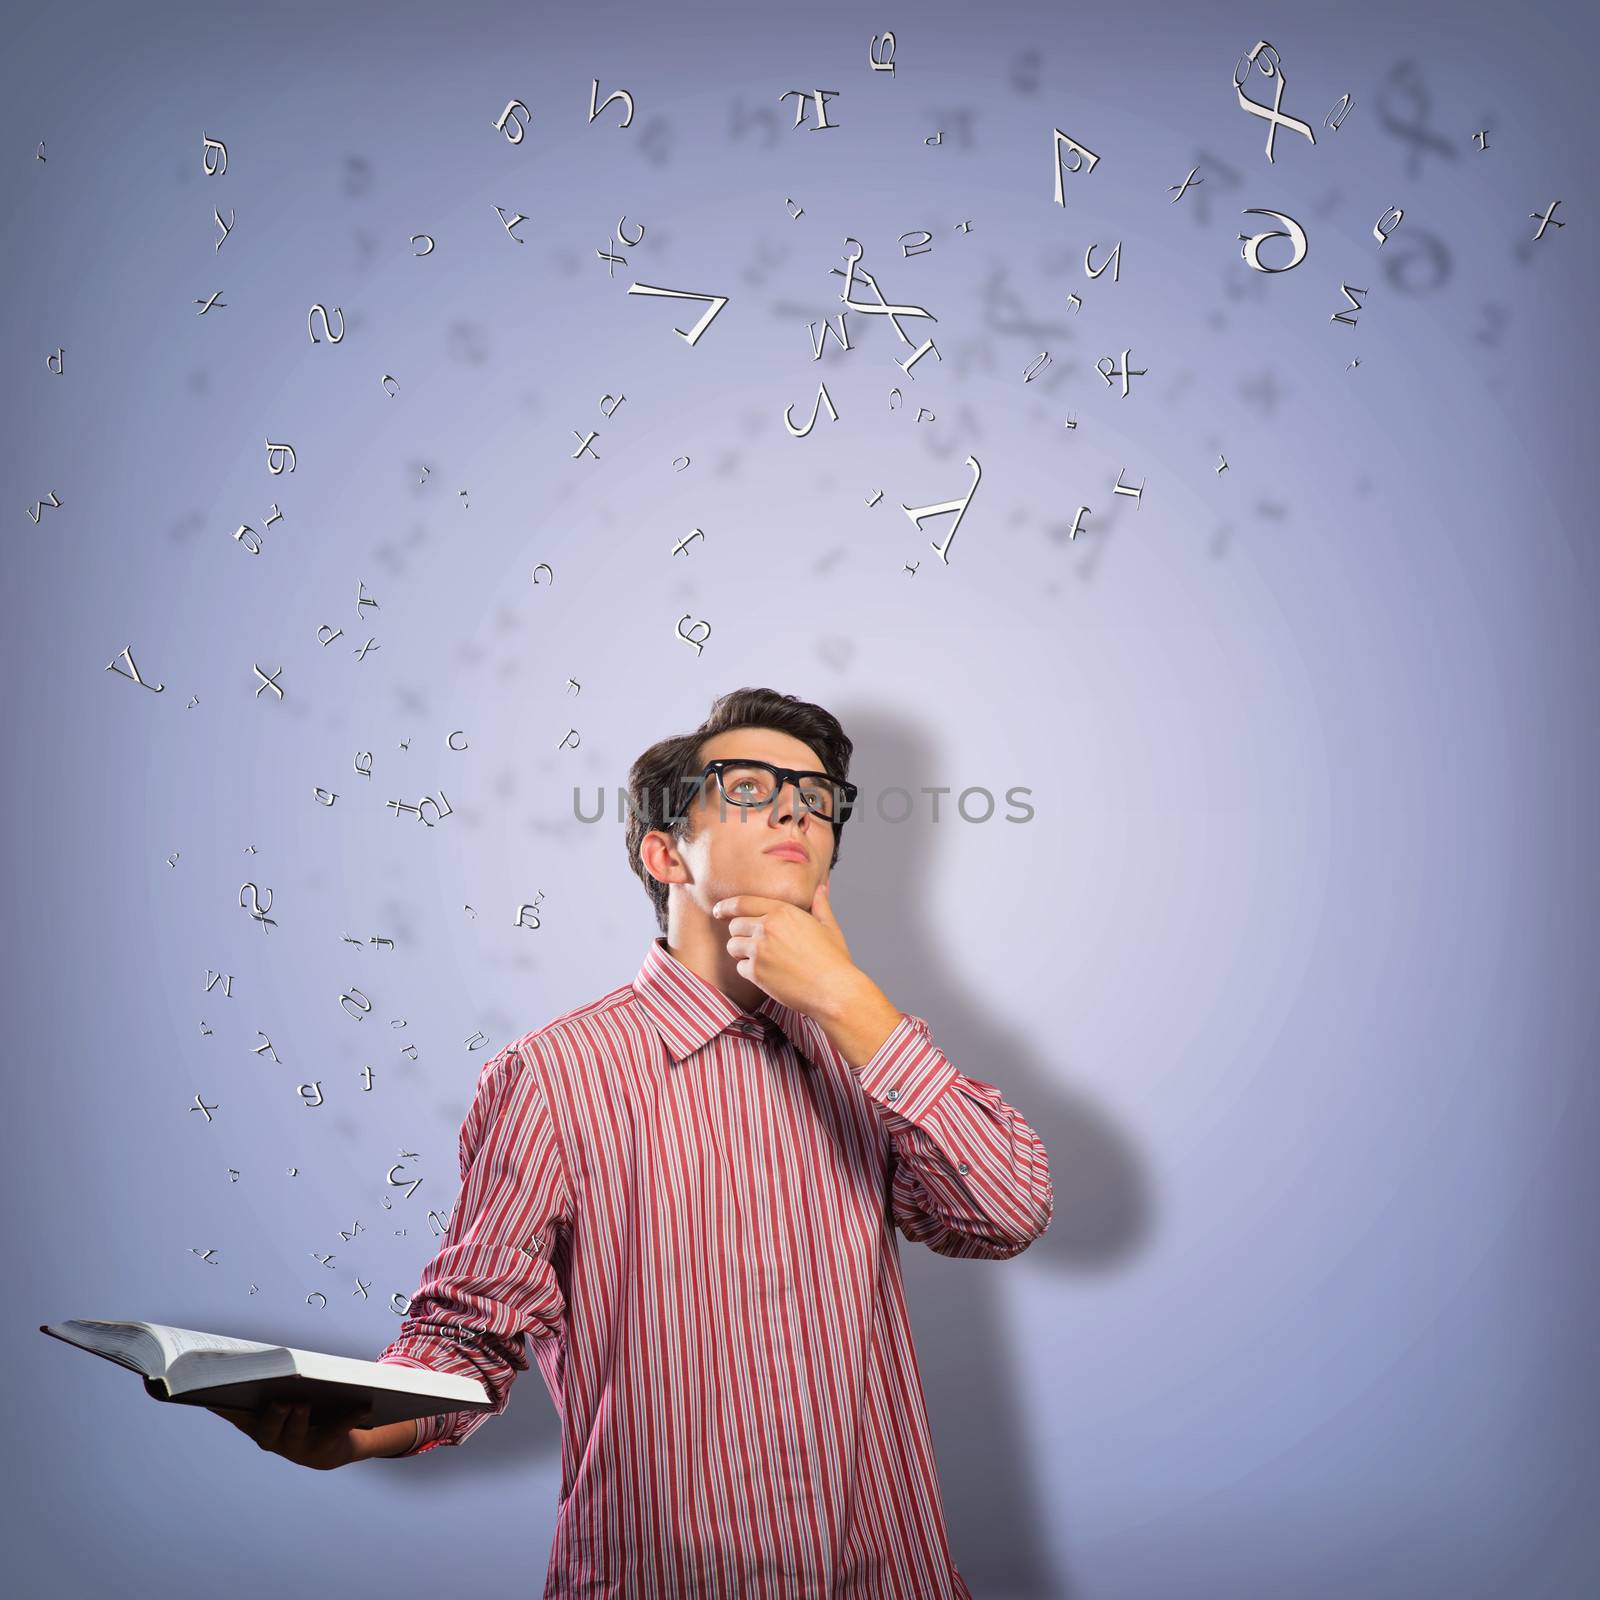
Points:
[[1292, 967]]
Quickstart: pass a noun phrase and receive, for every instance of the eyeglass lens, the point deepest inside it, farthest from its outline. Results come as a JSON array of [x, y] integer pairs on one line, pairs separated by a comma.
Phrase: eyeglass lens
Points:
[[754, 786]]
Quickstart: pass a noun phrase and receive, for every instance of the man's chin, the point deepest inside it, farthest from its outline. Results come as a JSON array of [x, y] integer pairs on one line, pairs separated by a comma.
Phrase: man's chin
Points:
[[789, 880]]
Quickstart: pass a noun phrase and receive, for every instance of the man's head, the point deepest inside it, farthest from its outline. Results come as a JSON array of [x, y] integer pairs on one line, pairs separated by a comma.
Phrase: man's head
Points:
[[692, 843]]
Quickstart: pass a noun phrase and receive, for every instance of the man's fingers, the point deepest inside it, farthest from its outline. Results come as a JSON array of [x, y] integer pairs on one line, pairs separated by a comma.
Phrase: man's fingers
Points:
[[343, 1417], [270, 1433], [284, 1425], [298, 1425]]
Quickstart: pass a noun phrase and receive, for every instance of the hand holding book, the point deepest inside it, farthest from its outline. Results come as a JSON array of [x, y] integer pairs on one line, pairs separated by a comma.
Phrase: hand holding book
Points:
[[314, 1408], [317, 1438]]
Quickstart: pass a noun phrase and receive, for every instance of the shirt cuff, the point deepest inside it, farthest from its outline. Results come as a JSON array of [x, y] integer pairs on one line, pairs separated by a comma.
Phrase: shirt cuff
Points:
[[432, 1431], [907, 1073]]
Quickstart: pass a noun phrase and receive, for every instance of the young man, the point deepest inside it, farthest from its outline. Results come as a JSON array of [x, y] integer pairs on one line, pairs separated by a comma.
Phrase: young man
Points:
[[686, 1194]]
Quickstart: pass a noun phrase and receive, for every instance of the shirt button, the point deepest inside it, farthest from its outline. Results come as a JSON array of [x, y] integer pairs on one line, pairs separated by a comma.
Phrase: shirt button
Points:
[[894, 1094], [961, 1166]]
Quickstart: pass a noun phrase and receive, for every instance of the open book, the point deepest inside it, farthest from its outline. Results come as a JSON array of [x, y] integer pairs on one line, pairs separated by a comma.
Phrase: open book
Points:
[[210, 1369]]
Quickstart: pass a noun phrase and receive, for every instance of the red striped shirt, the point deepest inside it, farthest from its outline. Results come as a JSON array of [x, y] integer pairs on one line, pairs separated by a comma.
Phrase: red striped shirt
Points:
[[690, 1210]]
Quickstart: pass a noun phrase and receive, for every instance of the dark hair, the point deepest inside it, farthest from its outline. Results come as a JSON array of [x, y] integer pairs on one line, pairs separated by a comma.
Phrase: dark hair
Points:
[[660, 780]]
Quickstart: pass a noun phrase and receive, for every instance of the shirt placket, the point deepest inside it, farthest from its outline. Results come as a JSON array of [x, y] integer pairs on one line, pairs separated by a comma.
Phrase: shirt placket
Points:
[[758, 1034], [770, 1285]]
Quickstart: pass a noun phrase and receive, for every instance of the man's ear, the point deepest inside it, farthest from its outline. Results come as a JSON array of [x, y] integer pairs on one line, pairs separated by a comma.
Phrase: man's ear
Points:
[[669, 868], [655, 855]]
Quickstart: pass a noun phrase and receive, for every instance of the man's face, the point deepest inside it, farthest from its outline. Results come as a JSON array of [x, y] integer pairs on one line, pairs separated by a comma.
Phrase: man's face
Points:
[[729, 849]]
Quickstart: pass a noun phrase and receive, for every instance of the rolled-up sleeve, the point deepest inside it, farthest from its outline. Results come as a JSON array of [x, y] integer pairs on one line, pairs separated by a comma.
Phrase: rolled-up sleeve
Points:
[[969, 1176], [492, 1283]]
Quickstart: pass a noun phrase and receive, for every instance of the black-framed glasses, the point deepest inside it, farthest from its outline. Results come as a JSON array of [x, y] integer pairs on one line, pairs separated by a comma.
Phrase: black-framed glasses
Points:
[[752, 784]]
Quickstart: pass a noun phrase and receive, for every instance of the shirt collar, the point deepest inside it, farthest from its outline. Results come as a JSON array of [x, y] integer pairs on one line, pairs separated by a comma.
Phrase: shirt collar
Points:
[[688, 1012]]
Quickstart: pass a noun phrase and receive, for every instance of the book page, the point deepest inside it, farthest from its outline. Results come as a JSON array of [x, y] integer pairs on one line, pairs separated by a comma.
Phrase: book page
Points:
[[175, 1342], [148, 1347]]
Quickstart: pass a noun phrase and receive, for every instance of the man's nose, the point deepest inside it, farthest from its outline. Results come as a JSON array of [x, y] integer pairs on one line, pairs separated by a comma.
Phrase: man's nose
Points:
[[797, 806]]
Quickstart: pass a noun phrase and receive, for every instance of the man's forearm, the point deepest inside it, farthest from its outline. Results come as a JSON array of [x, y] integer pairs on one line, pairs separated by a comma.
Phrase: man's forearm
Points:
[[392, 1439], [858, 1019]]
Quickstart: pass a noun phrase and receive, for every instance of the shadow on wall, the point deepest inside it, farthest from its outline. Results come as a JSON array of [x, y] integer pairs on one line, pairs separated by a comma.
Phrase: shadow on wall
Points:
[[977, 1406]]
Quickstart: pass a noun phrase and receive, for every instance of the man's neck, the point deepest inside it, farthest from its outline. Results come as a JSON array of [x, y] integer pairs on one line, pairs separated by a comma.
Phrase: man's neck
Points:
[[702, 946]]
